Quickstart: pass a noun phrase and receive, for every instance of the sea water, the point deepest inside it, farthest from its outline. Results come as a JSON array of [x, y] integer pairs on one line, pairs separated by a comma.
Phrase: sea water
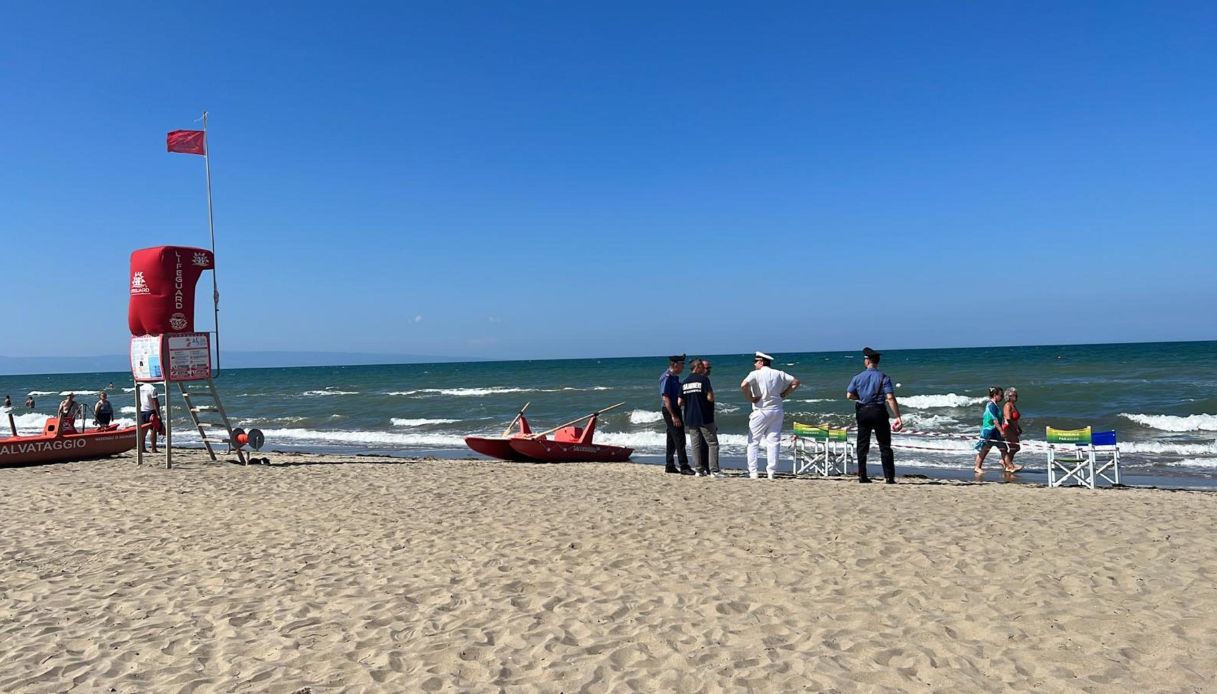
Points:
[[1160, 398]]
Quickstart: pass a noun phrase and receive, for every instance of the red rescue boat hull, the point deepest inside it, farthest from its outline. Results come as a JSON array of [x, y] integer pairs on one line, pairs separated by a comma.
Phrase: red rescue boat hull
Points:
[[65, 447], [497, 448], [570, 451]]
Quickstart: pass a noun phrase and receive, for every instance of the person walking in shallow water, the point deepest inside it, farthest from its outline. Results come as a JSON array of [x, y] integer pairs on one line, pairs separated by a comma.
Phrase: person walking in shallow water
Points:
[[1011, 430], [103, 411], [670, 402], [872, 390], [991, 432]]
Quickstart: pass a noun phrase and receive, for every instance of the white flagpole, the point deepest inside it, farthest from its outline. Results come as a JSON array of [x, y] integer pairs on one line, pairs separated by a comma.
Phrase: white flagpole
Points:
[[215, 289]]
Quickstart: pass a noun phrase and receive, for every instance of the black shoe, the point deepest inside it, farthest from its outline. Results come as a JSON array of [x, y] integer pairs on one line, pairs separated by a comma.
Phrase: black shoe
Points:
[[864, 480], [687, 471], [890, 481], [671, 470]]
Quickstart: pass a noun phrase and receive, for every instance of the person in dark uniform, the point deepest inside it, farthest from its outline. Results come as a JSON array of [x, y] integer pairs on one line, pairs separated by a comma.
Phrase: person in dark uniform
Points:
[[872, 390], [671, 402]]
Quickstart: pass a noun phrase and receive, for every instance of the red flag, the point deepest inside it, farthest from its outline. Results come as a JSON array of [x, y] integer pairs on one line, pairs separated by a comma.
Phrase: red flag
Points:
[[187, 142]]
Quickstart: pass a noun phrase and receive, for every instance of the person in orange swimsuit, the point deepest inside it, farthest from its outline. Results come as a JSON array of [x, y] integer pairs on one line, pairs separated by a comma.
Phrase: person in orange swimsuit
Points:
[[1011, 429]]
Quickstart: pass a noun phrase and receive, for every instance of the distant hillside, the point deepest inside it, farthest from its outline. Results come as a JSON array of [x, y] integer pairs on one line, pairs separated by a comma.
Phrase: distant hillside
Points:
[[231, 360]]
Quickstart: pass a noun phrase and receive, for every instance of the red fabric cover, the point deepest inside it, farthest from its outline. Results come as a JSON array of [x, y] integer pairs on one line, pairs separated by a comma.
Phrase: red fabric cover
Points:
[[187, 142], [162, 285]]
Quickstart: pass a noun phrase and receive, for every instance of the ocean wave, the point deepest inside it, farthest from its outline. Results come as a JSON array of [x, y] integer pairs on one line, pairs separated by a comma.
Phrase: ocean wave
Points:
[[489, 390], [927, 420], [327, 391], [465, 392], [32, 423], [130, 409], [921, 402], [1165, 422], [364, 439], [397, 422], [1169, 448], [38, 393], [645, 417], [1194, 462], [656, 441]]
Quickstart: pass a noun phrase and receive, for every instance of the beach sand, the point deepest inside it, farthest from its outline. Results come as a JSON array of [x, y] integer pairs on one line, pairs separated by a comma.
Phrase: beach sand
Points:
[[328, 574]]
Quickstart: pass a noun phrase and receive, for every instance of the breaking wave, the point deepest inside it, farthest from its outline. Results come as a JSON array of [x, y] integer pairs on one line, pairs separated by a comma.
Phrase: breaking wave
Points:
[[463, 392], [921, 402], [327, 391], [1165, 422], [398, 422], [645, 417]]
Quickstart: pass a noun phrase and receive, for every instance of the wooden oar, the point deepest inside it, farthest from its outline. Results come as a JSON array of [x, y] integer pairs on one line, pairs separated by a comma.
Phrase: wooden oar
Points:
[[575, 421], [513, 422]]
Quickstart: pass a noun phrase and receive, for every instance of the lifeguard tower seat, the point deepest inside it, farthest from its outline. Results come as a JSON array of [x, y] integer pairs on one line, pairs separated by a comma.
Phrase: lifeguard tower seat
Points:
[[820, 450], [1082, 457]]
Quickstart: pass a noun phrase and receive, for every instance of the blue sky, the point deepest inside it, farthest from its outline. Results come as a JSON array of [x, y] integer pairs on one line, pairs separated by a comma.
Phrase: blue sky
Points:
[[533, 180]]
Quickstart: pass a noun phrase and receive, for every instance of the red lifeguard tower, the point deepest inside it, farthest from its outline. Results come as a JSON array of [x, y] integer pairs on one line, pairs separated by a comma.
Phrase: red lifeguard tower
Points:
[[166, 349]]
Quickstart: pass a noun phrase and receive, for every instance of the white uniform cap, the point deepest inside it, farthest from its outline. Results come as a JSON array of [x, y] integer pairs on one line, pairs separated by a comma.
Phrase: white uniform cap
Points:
[[762, 355]]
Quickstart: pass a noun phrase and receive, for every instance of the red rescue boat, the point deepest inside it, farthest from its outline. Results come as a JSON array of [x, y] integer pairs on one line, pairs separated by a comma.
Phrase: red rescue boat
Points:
[[570, 444], [61, 444], [500, 446]]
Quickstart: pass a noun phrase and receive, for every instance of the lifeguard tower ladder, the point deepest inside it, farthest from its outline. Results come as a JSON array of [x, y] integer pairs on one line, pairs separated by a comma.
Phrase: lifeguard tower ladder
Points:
[[210, 418], [184, 360]]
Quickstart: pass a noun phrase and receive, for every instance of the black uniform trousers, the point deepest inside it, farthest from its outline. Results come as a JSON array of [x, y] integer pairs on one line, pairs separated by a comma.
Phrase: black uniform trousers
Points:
[[873, 418], [676, 444]]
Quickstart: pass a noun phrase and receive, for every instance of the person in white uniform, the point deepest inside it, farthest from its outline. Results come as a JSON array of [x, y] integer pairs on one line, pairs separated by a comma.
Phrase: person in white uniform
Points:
[[765, 388]]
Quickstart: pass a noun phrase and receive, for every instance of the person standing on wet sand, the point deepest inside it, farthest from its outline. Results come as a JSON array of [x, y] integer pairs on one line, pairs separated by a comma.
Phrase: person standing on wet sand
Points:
[[872, 389], [670, 401]]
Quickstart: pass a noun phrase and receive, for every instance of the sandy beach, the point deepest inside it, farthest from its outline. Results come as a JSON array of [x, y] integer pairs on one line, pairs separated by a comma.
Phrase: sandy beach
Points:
[[328, 574]]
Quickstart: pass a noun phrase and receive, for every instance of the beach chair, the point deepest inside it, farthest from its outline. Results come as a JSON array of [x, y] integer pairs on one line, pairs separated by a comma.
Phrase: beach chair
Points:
[[1082, 457], [1106, 456], [820, 450]]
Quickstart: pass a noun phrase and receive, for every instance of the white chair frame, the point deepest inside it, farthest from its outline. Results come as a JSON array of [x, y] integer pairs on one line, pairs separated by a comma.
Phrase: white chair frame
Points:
[[1083, 465], [820, 456]]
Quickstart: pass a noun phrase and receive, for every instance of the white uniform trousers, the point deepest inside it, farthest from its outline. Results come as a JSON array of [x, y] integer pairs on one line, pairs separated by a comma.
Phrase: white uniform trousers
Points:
[[764, 426]]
